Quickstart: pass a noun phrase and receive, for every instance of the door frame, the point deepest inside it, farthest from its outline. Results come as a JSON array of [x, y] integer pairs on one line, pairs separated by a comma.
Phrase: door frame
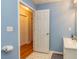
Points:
[[25, 4]]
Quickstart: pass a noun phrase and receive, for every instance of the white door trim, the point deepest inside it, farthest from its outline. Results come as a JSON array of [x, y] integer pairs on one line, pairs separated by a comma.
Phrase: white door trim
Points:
[[25, 4], [20, 1]]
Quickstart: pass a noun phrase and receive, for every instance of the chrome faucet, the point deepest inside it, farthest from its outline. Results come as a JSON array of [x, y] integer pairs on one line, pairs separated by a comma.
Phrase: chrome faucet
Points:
[[74, 37]]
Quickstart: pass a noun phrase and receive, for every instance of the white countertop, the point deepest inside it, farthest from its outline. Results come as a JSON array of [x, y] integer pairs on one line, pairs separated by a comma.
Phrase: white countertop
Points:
[[70, 44]]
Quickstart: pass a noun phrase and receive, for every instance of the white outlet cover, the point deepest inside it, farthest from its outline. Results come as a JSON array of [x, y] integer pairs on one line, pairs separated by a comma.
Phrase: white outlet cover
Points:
[[9, 29], [69, 28]]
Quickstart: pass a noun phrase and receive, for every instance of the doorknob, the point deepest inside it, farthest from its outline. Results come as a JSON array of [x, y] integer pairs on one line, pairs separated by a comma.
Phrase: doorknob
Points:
[[47, 33]]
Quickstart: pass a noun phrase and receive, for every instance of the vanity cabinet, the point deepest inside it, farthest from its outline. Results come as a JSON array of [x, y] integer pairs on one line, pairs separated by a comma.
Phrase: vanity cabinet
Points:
[[70, 49]]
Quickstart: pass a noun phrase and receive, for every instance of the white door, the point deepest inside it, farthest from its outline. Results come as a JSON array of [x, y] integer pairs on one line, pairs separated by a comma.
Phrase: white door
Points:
[[41, 31]]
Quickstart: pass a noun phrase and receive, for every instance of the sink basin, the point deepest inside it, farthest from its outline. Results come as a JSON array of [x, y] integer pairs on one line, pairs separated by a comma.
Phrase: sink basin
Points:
[[70, 44]]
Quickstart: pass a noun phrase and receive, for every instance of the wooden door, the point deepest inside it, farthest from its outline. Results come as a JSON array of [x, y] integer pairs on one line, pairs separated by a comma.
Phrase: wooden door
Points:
[[26, 31]]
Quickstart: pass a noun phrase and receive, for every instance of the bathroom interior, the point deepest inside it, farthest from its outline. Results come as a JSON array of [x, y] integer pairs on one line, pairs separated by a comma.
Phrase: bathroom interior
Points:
[[39, 29]]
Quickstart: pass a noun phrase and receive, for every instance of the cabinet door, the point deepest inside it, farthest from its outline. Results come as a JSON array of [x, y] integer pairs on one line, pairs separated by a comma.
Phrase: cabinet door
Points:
[[70, 54]]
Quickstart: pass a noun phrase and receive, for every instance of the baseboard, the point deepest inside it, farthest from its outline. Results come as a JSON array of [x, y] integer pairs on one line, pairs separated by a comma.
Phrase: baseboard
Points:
[[56, 52]]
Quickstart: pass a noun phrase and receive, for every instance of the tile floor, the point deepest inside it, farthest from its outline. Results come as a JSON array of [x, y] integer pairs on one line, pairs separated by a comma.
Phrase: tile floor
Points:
[[36, 55]]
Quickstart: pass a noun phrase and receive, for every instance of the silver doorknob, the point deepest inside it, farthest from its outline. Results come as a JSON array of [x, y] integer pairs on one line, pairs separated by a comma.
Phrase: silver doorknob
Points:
[[47, 33]]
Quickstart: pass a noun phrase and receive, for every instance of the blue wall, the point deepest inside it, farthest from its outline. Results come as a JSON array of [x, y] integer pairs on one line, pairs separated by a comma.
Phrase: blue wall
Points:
[[61, 18], [9, 15]]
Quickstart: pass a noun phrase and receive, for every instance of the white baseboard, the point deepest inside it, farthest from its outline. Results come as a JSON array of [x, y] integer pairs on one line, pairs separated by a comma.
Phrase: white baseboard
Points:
[[56, 52]]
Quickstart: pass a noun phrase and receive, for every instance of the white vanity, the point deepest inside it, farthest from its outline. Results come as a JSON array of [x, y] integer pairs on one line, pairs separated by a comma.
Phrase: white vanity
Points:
[[70, 48]]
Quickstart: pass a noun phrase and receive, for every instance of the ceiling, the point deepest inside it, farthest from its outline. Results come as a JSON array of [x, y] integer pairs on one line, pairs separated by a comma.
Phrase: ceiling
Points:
[[45, 1]]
